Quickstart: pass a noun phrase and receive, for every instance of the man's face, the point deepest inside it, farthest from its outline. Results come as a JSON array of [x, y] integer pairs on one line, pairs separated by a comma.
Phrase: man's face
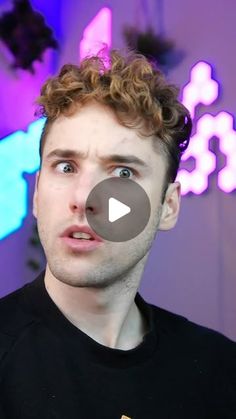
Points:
[[64, 184]]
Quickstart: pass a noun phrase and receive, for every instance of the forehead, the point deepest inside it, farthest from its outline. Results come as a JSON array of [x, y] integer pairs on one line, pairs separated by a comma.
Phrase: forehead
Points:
[[94, 131]]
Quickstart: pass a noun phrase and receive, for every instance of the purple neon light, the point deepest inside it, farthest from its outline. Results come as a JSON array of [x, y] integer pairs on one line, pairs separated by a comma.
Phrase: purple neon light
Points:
[[208, 126], [201, 88], [97, 34], [197, 180], [227, 175]]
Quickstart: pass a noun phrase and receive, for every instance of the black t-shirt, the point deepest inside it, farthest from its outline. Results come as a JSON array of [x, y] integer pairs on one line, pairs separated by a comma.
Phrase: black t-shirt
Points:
[[50, 369]]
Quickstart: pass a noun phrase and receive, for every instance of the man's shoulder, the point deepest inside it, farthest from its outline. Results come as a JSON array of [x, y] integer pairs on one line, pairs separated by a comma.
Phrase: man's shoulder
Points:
[[11, 306], [190, 334], [13, 318]]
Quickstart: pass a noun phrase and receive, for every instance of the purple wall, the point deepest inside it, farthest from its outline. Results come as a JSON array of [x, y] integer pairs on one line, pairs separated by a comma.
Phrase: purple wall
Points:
[[191, 269]]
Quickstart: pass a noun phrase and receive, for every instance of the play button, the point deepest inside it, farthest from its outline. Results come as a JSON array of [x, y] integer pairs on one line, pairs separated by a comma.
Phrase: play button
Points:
[[118, 209]]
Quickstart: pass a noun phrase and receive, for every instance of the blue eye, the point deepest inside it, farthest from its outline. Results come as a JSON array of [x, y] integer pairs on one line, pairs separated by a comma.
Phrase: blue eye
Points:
[[125, 171]]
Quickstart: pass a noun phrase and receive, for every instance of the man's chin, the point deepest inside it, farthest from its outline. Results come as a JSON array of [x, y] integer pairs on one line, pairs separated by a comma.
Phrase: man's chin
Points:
[[97, 276]]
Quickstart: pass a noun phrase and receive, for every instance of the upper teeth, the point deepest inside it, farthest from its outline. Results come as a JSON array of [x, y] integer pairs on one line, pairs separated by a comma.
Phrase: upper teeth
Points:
[[78, 235]]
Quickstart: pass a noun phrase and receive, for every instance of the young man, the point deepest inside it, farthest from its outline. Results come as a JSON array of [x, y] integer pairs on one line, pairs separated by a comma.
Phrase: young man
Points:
[[80, 341]]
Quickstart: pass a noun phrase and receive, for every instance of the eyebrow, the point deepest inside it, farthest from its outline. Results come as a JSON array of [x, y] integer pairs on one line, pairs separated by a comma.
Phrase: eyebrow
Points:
[[66, 153], [59, 152]]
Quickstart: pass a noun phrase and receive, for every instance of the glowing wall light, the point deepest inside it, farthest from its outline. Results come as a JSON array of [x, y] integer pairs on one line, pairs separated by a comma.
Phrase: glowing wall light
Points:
[[201, 88], [18, 155], [227, 175], [97, 34], [209, 126]]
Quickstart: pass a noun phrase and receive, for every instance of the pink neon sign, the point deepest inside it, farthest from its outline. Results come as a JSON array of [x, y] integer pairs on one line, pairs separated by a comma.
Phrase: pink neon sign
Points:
[[97, 34], [202, 89]]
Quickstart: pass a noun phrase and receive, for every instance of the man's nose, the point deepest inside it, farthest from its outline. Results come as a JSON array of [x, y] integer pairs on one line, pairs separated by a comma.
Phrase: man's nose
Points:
[[81, 190]]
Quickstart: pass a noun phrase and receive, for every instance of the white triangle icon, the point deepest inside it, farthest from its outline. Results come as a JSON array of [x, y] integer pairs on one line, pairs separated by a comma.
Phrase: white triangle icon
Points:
[[117, 210]]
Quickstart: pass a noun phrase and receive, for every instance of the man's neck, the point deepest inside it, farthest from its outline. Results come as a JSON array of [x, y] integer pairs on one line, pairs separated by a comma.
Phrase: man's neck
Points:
[[110, 317]]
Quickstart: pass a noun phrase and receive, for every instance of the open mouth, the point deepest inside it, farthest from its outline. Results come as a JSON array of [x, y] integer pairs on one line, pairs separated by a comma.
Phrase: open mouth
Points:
[[81, 236]]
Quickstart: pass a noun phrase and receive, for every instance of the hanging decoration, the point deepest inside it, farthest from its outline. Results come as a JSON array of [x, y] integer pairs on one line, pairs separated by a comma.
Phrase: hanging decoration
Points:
[[26, 35], [153, 46], [152, 42]]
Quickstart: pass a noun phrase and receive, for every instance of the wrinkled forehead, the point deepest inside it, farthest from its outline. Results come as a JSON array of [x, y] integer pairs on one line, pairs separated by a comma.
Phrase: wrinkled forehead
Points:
[[94, 133]]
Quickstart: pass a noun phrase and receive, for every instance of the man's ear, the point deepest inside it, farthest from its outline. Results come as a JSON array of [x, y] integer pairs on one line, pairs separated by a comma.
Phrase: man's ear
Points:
[[170, 207], [35, 197]]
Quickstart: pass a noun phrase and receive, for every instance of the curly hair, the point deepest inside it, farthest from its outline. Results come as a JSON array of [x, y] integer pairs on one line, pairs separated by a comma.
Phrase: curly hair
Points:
[[134, 88]]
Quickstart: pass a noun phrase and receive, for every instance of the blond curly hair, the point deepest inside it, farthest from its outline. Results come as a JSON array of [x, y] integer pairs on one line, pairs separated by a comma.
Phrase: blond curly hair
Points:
[[134, 88]]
